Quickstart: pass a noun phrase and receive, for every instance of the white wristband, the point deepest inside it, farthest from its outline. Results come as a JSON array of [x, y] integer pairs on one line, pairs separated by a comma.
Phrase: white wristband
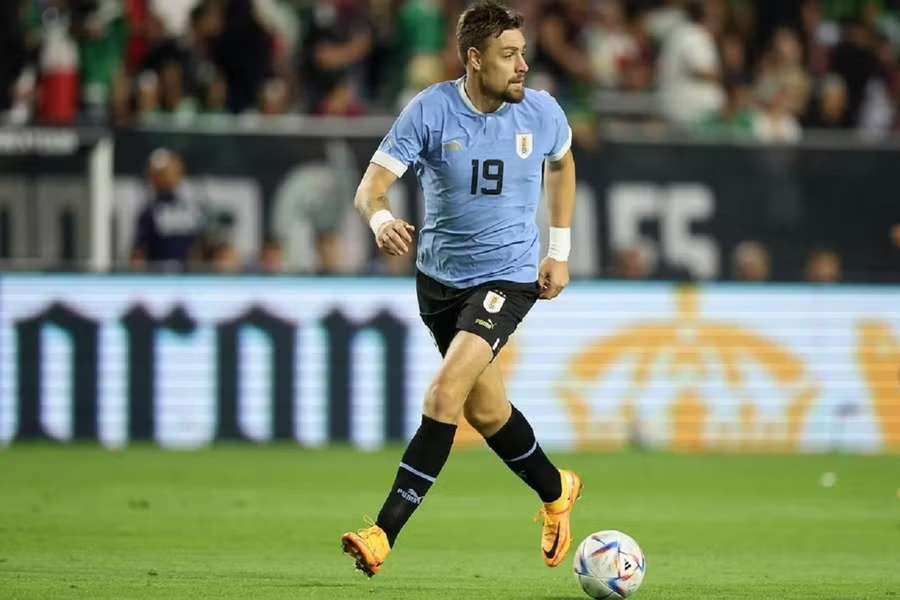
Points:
[[560, 243], [379, 220]]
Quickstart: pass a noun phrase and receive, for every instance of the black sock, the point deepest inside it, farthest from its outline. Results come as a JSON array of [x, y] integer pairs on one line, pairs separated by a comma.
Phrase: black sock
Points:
[[516, 445], [422, 462]]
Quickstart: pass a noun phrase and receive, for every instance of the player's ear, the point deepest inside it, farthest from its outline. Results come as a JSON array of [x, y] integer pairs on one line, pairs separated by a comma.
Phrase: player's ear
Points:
[[474, 57]]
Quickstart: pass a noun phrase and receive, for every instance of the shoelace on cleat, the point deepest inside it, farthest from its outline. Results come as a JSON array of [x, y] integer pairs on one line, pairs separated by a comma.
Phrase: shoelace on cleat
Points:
[[370, 523]]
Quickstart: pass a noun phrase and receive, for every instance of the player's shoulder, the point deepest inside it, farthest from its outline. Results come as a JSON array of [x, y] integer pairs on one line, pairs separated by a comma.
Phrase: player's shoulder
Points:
[[539, 103], [538, 106], [434, 96], [541, 99]]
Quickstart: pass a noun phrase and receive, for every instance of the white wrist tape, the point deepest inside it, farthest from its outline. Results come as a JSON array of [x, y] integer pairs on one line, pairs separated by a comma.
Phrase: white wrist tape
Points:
[[379, 220], [560, 243]]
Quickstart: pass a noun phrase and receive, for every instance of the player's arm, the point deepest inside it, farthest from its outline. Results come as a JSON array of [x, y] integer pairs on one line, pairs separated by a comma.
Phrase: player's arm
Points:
[[392, 235], [560, 181]]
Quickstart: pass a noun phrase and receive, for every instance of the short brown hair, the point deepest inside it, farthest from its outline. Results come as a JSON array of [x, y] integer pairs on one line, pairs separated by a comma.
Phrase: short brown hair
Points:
[[478, 23]]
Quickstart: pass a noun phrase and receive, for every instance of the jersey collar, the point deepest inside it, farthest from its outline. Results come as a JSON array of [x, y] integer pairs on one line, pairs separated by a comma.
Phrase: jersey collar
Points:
[[461, 88]]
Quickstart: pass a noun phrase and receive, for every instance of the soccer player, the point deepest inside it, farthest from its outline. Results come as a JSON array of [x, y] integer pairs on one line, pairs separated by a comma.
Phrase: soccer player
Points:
[[478, 146]]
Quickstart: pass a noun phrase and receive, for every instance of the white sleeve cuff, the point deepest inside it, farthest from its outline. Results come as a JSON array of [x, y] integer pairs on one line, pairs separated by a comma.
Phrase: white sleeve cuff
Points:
[[562, 151], [392, 164]]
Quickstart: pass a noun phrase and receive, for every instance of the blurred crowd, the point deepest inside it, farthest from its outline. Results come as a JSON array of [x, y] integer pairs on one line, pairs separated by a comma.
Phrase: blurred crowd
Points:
[[757, 69], [750, 262]]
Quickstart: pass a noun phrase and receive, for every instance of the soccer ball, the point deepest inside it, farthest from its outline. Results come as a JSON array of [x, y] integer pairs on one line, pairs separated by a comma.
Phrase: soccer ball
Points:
[[609, 564]]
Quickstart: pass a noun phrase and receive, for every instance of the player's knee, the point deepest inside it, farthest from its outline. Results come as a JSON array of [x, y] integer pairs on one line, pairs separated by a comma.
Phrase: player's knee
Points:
[[443, 402], [486, 420]]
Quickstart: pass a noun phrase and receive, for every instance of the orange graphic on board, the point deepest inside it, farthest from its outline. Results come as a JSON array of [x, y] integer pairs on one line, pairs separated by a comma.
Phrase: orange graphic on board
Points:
[[704, 385], [878, 354]]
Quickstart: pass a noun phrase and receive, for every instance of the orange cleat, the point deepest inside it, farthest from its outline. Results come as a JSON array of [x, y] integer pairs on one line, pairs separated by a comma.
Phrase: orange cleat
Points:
[[556, 535], [368, 547]]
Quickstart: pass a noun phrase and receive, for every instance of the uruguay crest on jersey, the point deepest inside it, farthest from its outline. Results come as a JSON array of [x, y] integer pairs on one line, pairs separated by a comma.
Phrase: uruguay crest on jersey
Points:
[[524, 144]]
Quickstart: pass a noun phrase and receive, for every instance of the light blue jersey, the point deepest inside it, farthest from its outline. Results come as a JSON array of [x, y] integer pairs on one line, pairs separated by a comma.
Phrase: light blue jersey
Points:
[[481, 176]]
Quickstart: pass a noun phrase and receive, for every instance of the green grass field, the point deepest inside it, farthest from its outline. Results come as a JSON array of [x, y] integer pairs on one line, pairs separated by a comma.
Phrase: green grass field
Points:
[[265, 522]]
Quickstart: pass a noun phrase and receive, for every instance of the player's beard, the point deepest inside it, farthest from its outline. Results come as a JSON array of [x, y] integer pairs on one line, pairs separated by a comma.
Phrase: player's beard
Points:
[[514, 94]]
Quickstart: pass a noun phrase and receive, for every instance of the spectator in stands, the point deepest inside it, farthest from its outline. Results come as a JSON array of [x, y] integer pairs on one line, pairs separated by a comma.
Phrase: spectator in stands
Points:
[[173, 15], [307, 215], [281, 20], [121, 113], [567, 60], [342, 101], [639, 74], [244, 54], [632, 263], [171, 223], [271, 257], [183, 65], [273, 98], [215, 96], [818, 36], [561, 58], [734, 60], [689, 70], [58, 90], [329, 253], [143, 29], [878, 110], [100, 29], [823, 266], [782, 69], [422, 71], [855, 61], [173, 96], [751, 262], [736, 119], [665, 18], [147, 97], [199, 46], [612, 48], [829, 111], [338, 42], [775, 122], [421, 37], [14, 53], [223, 258]]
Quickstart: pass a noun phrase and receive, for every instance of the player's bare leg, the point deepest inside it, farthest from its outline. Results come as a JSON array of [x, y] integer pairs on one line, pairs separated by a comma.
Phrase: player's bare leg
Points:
[[508, 433], [466, 358], [487, 408]]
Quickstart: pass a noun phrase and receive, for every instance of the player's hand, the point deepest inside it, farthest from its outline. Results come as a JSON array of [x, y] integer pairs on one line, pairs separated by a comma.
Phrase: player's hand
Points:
[[553, 277], [395, 237]]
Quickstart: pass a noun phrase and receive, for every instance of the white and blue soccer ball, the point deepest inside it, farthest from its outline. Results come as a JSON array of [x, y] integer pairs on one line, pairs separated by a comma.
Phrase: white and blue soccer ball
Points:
[[609, 564]]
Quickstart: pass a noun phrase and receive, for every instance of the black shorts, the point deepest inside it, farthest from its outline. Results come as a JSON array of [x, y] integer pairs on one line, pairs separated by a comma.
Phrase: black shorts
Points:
[[492, 310]]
